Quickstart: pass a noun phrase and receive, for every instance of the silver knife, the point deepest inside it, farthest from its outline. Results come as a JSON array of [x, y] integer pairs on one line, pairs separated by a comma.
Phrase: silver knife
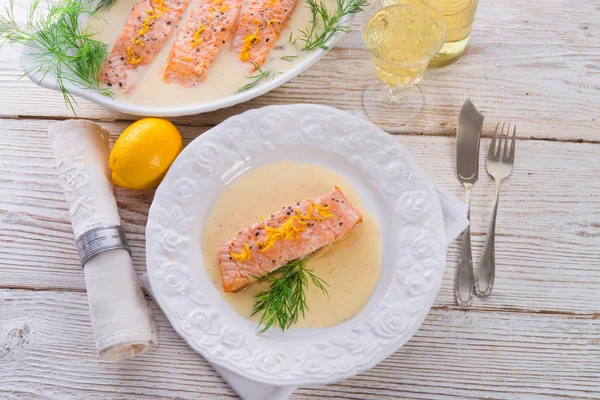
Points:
[[468, 134]]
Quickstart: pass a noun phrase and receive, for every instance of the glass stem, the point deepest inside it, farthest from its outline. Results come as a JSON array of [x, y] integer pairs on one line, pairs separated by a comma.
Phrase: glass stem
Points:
[[395, 93]]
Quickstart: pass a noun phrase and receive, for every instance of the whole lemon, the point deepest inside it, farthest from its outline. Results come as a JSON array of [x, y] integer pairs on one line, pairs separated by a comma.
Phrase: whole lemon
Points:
[[144, 152]]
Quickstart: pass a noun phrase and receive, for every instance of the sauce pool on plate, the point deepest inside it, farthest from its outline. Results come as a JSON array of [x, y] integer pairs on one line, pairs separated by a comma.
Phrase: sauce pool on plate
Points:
[[351, 267]]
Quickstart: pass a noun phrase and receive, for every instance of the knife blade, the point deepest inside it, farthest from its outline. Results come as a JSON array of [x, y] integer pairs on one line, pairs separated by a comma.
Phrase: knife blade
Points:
[[468, 136]]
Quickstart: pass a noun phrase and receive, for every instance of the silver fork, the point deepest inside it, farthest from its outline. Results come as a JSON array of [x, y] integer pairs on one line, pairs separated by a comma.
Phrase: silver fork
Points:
[[499, 165]]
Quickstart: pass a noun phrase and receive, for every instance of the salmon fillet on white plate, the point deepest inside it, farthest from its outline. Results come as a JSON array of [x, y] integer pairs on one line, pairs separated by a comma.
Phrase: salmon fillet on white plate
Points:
[[200, 40], [146, 31], [292, 232], [260, 27]]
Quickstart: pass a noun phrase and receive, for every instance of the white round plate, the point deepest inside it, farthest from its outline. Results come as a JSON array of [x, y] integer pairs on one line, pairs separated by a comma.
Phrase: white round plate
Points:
[[49, 81], [391, 186]]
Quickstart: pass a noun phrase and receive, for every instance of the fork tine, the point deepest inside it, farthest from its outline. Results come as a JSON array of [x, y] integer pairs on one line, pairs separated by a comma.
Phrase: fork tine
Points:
[[499, 147], [511, 157], [505, 152], [493, 143]]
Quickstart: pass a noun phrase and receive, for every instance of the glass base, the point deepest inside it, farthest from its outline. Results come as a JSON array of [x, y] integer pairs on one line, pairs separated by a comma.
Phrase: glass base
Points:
[[450, 52], [392, 116]]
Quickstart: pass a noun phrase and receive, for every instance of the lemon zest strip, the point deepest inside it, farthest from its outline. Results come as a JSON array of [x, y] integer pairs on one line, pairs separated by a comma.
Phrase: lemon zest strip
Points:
[[245, 254], [248, 42], [196, 38], [292, 227]]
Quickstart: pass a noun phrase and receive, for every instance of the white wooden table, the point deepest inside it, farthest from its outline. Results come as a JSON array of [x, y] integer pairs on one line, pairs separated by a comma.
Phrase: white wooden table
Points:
[[533, 63]]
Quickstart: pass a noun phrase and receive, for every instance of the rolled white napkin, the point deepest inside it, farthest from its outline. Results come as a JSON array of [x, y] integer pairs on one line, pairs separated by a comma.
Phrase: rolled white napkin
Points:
[[123, 326]]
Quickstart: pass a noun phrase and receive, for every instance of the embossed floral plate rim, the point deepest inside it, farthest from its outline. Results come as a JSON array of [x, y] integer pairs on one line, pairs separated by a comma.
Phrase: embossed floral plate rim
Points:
[[391, 186]]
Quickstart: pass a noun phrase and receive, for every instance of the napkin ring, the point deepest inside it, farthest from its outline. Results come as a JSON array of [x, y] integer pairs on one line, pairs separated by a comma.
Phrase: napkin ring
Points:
[[99, 240]]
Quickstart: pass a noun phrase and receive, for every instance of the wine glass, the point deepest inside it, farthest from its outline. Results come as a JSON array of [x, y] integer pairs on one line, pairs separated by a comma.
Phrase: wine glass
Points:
[[402, 36]]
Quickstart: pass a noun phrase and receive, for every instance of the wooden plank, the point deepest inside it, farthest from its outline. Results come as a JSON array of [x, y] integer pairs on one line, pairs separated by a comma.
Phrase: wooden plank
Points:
[[547, 233], [526, 64], [48, 352]]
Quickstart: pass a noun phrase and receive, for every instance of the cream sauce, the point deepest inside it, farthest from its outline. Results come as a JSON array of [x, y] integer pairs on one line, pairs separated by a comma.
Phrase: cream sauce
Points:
[[226, 74], [351, 267]]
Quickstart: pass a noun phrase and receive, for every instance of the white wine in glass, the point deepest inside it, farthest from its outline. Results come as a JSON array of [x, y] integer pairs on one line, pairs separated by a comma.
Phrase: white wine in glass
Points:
[[459, 15], [403, 36]]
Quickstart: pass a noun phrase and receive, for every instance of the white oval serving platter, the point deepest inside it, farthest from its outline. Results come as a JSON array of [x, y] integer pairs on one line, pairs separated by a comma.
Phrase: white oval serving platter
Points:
[[49, 81], [391, 186]]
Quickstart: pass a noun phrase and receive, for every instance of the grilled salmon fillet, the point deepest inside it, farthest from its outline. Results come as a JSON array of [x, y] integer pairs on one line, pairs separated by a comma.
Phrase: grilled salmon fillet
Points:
[[260, 27], [291, 233], [200, 40], [146, 31]]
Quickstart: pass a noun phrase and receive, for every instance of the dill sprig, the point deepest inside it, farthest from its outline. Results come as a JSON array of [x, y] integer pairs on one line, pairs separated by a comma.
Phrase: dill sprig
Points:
[[106, 4], [289, 58], [61, 47], [292, 39], [285, 300], [256, 78], [331, 21]]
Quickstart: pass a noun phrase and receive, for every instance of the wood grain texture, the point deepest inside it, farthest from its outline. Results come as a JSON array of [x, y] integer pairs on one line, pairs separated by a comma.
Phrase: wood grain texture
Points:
[[535, 64], [532, 63], [49, 353], [547, 235]]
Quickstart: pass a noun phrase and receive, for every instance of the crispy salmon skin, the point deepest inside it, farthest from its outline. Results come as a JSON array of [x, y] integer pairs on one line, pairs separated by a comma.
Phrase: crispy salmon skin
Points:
[[260, 27], [146, 31], [200, 40], [291, 233]]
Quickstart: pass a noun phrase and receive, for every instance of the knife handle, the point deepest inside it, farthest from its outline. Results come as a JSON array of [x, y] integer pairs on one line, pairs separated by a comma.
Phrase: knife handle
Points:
[[465, 280]]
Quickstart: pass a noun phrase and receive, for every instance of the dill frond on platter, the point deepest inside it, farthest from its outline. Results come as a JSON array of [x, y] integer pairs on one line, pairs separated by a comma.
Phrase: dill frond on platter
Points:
[[256, 78], [61, 48], [285, 300], [106, 4], [289, 58], [326, 23]]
